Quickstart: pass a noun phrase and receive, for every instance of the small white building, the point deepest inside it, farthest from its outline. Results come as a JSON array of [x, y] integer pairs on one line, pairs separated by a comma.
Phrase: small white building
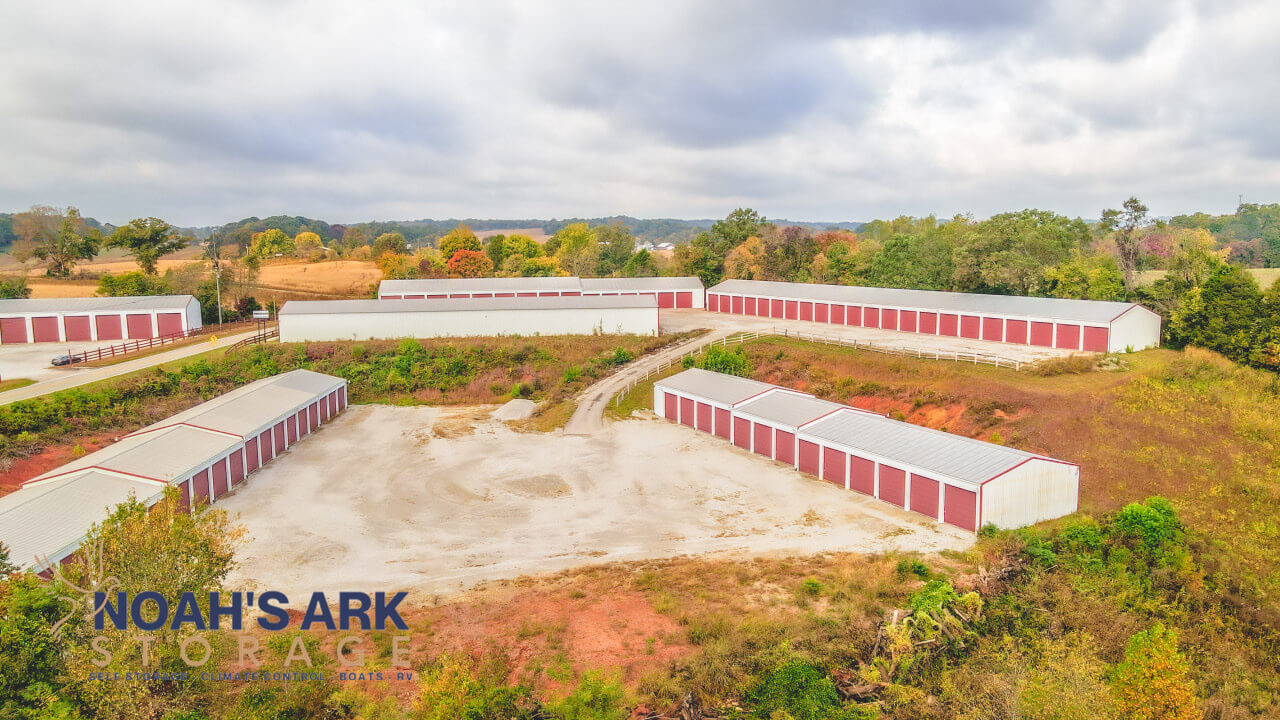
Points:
[[329, 320], [97, 318], [957, 480]]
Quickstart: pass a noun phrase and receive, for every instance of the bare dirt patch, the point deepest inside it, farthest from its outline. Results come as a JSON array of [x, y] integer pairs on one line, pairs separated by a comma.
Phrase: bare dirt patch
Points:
[[371, 506]]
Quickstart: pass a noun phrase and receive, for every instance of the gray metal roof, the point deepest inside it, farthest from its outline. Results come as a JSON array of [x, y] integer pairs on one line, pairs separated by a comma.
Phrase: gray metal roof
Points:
[[444, 285], [588, 302], [952, 456], [53, 517], [144, 303], [248, 409], [788, 409], [1091, 311], [717, 387], [167, 454], [641, 284]]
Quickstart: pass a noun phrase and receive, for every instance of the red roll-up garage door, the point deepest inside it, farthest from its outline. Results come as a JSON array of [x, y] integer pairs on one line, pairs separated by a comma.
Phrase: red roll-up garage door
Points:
[[749, 306], [1042, 334], [139, 326], [686, 411], [1068, 337], [821, 313], [108, 327], [13, 330], [806, 311], [713, 303], [302, 423], [219, 478], [960, 508], [723, 420], [1095, 339], [278, 432], [266, 441], [742, 433], [671, 407], [764, 439], [837, 314], [237, 467], [893, 485], [792, 309], [862, 475], [928, 323], [809, 457], [948, 324], [324, 409], [777, 308], [870, 317], [853, 315], [684, 299], [736, 304], [970, 326], [889, 319], [833, 466], [184, 495], [1015, 331], [200, 488], [44, 329], [907, 321], [785, 447], [77, 327], [992, 329], [666, 299], [169, 323], [706, 418], [251, 455], [291, 425], [924, 495], [342, 398], [313, 416]]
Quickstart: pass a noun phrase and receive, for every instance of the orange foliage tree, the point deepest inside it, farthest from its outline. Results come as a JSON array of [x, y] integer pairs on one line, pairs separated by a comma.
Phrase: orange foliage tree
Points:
[[470, 264]]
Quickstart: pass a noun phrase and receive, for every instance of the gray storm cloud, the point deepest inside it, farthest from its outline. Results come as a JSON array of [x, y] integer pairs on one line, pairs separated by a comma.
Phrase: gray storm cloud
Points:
[[817, 110]]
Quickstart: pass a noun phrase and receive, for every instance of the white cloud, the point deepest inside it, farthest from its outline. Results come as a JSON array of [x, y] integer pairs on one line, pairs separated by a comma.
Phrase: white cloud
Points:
[[822, 110]]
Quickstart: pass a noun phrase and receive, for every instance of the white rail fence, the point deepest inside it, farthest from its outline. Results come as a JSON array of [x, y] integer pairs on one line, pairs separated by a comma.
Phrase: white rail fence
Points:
[[974, 358]]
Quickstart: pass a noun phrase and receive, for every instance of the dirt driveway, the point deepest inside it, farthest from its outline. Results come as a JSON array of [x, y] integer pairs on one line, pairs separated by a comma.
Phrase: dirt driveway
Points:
[[414, 498]]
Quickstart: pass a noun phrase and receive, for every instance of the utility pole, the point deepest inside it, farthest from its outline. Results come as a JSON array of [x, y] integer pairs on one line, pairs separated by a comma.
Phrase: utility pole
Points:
[[217, 284]]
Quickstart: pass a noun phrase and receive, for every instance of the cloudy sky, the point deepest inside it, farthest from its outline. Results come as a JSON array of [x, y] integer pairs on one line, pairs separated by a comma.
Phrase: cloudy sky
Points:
[[842, 110]]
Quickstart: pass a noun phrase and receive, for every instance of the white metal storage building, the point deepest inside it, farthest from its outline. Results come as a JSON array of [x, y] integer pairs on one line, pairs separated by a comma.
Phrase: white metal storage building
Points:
[[97, 318], [957, 480], [205, 452], [1088, 325], [671, 292], [327, 320]]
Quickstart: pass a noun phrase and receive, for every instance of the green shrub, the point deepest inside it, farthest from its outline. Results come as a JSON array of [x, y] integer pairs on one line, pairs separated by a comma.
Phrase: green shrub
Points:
[[811, 587], [1147, 527], [718, 359], [914, 567], [799, 690], [596, 697]]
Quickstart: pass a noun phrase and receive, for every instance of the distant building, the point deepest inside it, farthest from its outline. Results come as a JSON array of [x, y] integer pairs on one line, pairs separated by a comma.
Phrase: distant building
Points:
[[97, 318]]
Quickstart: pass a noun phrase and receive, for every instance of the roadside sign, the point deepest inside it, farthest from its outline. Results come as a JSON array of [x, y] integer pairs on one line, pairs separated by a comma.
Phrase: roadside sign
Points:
[[261, 315]]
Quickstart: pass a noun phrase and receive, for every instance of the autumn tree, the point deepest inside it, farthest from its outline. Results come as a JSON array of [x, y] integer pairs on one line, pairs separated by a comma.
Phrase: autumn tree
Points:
[[307, 244], [1125, 224], [746, 261], [470, 264], [495, 246], [1152, 681], [522, 245], [640, 265], [459, 238], [56, 239], [391, 242], [147, 240], [617, 245]]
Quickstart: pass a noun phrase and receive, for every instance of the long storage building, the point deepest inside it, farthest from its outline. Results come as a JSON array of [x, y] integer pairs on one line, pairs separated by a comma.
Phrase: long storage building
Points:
[[671, 292], [329, 320], [957, 480], [1086, 325], [205, 452], [97, 318]]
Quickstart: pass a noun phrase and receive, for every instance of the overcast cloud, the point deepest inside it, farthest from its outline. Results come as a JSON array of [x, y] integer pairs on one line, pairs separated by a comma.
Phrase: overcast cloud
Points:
[[205, 113]]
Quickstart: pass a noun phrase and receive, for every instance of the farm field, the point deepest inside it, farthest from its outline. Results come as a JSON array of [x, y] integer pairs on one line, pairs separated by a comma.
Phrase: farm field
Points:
[[1266, 277]]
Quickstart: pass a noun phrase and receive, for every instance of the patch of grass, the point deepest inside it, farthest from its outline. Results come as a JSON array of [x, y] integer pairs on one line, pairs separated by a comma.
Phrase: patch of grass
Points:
[[15, 383], [551, 417], [639, 397]]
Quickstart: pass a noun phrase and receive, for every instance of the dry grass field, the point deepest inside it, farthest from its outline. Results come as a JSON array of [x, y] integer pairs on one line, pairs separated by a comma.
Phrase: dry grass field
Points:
[[534, 232], [349, 278]]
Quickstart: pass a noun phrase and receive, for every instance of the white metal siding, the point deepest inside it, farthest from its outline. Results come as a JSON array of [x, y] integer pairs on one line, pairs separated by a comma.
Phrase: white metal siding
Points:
[[1034, 491], [313, 327], [1138, 328]]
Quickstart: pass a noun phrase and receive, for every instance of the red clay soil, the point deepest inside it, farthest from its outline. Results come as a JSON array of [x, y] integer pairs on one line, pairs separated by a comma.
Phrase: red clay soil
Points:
[[23, 469]]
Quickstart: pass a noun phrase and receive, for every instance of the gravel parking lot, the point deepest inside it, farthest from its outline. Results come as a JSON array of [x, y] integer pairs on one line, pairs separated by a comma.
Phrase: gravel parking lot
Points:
[[435, 501]]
